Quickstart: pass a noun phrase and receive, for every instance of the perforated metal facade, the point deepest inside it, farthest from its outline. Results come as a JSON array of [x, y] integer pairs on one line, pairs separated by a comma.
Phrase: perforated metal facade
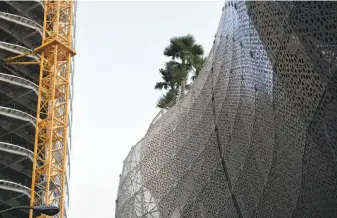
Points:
[[256, 135]]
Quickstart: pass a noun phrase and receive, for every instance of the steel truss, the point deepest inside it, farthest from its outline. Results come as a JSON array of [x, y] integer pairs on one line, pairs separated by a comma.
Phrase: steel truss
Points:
[[50, 148]]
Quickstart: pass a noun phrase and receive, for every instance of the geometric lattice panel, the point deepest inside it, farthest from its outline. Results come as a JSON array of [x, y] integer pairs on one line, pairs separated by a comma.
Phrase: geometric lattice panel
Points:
[[256, 136]]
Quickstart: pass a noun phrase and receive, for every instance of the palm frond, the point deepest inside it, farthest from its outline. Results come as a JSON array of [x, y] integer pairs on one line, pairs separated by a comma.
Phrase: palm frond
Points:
[[172, 65], [167, 98], [188, 40], [161, 85], [165, 74], [178, 72], [198, 64], [174, 48], [197, 50]]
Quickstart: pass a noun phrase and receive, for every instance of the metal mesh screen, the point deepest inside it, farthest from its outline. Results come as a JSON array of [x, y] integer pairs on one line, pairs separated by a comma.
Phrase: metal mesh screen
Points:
[[256, 134]]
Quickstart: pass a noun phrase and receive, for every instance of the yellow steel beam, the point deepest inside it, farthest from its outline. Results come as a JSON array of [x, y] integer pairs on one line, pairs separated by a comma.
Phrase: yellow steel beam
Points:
[[39, 49], [50, 147], [23, 62], [18, 56]]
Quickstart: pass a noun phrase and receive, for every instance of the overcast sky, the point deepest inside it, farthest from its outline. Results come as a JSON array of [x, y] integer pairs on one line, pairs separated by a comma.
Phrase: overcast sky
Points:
[[119, 51]]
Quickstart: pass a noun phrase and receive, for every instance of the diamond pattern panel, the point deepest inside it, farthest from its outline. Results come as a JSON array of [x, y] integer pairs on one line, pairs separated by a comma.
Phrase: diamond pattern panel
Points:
[[256, 134]]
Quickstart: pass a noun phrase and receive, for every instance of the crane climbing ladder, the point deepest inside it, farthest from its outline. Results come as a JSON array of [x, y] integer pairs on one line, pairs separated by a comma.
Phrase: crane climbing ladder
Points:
[[50, 147]]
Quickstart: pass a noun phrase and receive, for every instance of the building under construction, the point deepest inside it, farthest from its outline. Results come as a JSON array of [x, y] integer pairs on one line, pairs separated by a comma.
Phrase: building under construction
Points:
[[256, 136], [20, 32]]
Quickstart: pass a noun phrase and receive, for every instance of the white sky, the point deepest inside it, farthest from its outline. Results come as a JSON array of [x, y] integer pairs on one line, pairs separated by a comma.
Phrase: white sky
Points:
[[119, 51]]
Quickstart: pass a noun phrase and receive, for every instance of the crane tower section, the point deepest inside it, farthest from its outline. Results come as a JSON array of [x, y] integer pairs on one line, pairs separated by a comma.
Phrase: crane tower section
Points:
[[51, 135], [50, 151]]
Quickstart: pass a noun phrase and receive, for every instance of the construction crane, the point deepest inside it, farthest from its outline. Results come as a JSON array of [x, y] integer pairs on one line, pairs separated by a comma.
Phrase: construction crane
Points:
[[50, 147]]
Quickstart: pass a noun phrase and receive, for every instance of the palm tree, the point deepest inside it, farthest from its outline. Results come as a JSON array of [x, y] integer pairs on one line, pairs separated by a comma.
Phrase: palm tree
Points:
[[186, 57], [185, 49]]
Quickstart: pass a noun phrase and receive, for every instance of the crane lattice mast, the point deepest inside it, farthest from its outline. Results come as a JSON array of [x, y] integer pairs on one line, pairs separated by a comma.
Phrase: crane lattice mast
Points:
[[50, 148]]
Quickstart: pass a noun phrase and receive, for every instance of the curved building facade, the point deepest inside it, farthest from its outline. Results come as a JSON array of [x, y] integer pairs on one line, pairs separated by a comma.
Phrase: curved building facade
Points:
[[256, 134], [20, 31]]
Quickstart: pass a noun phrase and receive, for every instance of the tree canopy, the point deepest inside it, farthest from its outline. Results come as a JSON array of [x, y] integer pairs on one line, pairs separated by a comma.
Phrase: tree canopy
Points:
[[186, 58]]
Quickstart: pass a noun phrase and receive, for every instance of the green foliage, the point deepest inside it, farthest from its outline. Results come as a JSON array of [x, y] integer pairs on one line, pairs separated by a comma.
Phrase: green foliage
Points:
[[168, 80], [167, 99], [186, 58], [197, 63]]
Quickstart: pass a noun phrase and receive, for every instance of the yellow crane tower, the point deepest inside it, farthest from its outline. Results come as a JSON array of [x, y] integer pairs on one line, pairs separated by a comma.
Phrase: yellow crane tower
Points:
[[50, 147]]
